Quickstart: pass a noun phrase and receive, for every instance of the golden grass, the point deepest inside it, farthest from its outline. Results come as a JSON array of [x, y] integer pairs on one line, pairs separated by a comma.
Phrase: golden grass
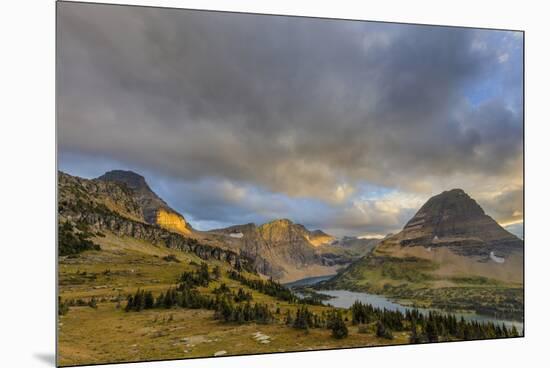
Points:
[[109, 334]]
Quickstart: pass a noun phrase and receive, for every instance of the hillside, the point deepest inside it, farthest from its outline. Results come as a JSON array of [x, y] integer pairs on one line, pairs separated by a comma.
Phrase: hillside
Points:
[[279, 249], [449, 255], [134, 257], [98, 207]]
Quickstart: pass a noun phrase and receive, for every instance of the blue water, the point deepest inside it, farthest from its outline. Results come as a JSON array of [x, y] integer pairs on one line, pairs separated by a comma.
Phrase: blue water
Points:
[[345, 298]]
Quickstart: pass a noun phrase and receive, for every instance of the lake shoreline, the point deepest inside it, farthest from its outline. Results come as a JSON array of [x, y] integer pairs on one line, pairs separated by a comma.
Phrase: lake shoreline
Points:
[[341, 298]]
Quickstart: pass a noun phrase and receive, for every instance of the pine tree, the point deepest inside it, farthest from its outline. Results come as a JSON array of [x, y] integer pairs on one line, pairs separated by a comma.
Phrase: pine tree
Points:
[[383, 331], [431, 331], [338, 326], [414, 339], [149, 301]]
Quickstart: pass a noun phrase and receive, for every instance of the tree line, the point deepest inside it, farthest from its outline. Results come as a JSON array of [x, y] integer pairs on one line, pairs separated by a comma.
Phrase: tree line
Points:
[[305, 319], [72, 241], [273, 288], [236, 307], [431, 327]]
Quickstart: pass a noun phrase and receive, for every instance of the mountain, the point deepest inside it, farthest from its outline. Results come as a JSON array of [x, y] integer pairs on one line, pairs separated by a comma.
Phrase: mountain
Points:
[[454, 220], [155, 210], [450, 254], [122, 203], [120, 208], [284, 250]]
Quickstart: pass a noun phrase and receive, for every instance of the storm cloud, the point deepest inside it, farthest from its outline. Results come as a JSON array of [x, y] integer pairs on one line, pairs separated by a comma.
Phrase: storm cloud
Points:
[[341, 125]]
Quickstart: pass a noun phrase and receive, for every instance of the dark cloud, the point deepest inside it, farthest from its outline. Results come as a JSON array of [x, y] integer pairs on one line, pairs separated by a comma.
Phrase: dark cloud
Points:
[[292, 106]]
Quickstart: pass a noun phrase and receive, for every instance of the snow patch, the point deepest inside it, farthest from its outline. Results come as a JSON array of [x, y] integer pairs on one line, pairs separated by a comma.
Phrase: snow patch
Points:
[[236, 235], [495, 258]]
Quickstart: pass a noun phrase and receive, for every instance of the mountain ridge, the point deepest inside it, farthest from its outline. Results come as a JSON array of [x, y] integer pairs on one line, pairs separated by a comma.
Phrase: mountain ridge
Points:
[[280, 248]]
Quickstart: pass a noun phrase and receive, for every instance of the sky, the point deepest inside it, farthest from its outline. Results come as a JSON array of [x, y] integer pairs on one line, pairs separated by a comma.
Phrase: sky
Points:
[[344, 126]]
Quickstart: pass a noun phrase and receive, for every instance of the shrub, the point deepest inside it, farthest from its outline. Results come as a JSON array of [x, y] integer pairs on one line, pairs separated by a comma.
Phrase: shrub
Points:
[[171, 258]]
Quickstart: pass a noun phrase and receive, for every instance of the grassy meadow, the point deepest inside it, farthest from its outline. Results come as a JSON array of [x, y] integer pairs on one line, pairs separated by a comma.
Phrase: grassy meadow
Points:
[[107, 333]]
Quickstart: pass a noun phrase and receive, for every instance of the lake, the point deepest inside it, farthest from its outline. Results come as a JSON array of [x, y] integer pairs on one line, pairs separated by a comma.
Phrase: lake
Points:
[[345, 298]]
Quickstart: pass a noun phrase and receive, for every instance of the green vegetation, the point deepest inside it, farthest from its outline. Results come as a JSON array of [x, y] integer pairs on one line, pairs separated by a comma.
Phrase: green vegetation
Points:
[[231, 307], [147, 308], [410, 269], [411, 281], [62, 307], [274, 289], [337, 325], [171, 258], [73, 241], [433, 327]]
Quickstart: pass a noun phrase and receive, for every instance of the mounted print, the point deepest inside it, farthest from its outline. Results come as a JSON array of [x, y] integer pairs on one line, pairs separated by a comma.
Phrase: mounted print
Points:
[[234, 183]]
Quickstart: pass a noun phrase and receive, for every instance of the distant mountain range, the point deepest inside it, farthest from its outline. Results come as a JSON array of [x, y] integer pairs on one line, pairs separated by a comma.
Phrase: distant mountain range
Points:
[[450, 231], [280, 249], [289, 251], [451, 254]]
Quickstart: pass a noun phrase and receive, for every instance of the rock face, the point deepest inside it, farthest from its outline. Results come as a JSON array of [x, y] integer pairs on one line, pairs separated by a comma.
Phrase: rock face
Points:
[[452, 219], [155, 210], [283, 250]]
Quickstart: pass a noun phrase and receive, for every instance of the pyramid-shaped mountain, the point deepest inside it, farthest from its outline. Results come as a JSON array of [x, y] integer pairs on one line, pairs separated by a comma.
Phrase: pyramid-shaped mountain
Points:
[[453, 219]]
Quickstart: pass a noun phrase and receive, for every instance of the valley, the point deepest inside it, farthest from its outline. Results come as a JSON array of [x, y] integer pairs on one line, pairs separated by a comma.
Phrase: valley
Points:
[[138, 282]]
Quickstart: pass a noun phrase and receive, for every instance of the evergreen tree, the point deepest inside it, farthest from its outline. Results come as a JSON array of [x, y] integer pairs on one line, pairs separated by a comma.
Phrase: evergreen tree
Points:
[[431, 331], [338, 326], [383, 331], [414, 338]]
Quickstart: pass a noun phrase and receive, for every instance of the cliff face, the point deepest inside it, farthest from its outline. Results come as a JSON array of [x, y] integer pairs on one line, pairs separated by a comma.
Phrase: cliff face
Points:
[[172, 221], [154, 209], [284, 250]]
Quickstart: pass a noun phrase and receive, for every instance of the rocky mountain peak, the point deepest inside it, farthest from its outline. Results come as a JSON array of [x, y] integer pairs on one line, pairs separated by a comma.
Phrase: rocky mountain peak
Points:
[[131, 179], [155, 209], [454, 218], [442, 212]]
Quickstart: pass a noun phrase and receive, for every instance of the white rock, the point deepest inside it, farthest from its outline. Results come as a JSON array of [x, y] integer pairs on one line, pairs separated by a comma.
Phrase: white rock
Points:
[[221, 352]]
